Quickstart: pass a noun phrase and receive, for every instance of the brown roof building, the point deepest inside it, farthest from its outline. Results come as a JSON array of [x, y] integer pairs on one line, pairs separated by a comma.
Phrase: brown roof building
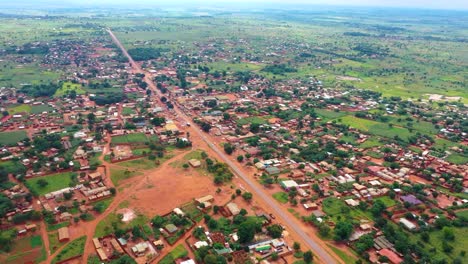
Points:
[[63, 234]]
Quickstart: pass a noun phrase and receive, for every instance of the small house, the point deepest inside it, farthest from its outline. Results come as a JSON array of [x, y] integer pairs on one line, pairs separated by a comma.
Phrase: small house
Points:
[[63, 234]]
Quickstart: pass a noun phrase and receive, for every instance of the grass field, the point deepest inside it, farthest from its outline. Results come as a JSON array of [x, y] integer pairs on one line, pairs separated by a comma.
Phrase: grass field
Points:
[[141, 151], [22, 108], [196, 154], [72, 249], [436, 239], [376, 128], [177, 252], [463, 213], [336, 208], [25, 74], [457, 159], [53, 227], [130, 138], [126, 111], [118, 175], [104, 203], [141, 164], [343, 255], [389, 202], [281, 197], [38, 109], [371, 142], [54, 243], [252, 120], [26, 249], [11, 138], [226, 66], [55, 182], [328, 114], [68, 87]]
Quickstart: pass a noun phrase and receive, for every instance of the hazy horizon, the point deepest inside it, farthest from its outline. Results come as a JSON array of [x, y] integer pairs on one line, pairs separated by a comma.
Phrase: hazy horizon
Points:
[[420, 4]]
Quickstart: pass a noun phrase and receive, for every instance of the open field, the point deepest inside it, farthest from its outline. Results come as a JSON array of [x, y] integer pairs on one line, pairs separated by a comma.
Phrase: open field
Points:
[[118, 175], [11, 138], [376, 128], [67, 87], [436, 239], [130, 138], [344, 256], [54, 182], [17, 75], [457, 159], [72, 249], [21, 108], [281, 197], [38, 109], [105, 227], [26, 249], [140, 164], [252, 120], [177, 252]]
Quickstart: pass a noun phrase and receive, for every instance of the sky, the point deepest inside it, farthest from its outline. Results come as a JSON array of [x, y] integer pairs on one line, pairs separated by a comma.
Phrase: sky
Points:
[[431, 4]]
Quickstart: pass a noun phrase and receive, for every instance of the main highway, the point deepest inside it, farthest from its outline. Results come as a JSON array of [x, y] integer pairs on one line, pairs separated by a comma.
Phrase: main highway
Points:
[[318, 249]]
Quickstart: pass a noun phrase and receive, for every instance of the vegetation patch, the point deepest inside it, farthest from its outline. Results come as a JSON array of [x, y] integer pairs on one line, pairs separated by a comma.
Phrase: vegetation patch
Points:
[[176, 253], [47, 184], [281, 197], [343, 256], [130, 138], [457, 159], [69, 88], [72, 249], [11, 138], [118, 175]]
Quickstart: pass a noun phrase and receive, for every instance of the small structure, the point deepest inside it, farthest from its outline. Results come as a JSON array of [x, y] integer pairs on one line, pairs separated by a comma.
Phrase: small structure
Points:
[[31, 227], [288, 184], [178, 212], [171, 228], [158, 244], [97, 243], [65, 216], [205, 200], [116, 246], [95, 176], [272, 170], [352, 202], [407, 224], [233, 208], [102, 255], [63, 234], [310, 206], [194, 163], [189, 261], [411, 199], [140, 249]]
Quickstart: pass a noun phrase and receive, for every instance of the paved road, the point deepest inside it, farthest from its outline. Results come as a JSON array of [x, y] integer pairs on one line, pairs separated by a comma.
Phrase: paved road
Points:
[[253, 186]]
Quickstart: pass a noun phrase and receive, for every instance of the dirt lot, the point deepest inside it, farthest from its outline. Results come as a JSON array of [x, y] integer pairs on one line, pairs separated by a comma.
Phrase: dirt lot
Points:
[[168, 187]]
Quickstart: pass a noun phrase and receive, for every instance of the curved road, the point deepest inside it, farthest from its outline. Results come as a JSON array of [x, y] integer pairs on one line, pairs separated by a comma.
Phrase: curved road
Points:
[[285, 218]]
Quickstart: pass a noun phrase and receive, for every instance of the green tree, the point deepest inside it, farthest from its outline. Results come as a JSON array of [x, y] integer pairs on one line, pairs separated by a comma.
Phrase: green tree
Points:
[[275, 230], [308, 256], [296, 246], [247, 231], [247, 196], [343, 230]]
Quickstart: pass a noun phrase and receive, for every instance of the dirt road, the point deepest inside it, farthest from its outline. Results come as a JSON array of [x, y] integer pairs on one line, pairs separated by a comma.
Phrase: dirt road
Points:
[[317, 247]]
